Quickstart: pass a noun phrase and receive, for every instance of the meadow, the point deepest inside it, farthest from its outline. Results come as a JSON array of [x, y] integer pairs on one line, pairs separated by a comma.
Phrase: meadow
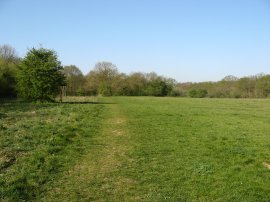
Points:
[[135, 149]]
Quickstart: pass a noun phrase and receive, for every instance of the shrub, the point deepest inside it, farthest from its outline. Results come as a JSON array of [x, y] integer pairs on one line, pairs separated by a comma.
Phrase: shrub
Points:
[[40, 75]]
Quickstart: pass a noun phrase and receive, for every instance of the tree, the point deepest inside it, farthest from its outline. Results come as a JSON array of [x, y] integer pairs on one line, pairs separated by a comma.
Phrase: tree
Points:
[[246, 86], [199, 93], [102, 77], [159, 86], [40, 76], [91, 87], [8, 53], [75, 80], [8, 78], [8, 67], [136, 84], [263, 86], [120, 84], [230, 78]]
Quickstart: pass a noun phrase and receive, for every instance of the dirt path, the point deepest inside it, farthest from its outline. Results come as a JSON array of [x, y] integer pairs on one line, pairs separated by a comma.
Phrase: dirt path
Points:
[[99, 173]]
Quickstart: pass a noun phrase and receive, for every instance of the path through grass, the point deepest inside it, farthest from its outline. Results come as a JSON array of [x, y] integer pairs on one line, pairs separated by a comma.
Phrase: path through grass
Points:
[[99, 175], [152, 149]]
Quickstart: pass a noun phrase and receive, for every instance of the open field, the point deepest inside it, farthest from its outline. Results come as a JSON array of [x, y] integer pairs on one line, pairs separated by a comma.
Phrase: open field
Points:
[[136, 149]]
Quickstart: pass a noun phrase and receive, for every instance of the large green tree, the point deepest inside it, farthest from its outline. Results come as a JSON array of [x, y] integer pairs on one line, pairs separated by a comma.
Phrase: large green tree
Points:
[[158, 85], [40, 76]]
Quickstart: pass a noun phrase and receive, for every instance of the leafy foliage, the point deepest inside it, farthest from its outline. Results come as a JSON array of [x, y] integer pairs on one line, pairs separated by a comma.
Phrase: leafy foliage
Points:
[[8, 68], [75, 80], [40, 75], [8, 78], [106, 80], [8, 54], [200, 93], [263, 86], [159, 87], [102, 78], [257, 86]]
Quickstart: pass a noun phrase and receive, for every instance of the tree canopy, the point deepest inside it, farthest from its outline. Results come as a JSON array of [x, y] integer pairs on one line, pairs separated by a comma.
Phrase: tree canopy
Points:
[[75, 80], [40, 76], [102, 78]]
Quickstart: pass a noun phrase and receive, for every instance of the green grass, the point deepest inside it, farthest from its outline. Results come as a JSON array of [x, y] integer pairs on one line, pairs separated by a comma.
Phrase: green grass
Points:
[[199, 149], [40, 141], [136, 149]]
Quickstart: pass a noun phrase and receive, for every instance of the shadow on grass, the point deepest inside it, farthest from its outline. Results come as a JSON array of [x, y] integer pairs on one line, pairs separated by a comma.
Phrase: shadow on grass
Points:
[[3, 115], [87, 103], [24, 106]]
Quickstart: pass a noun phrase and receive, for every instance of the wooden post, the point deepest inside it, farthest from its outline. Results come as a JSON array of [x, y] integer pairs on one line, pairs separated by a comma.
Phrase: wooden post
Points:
[[62, 93]]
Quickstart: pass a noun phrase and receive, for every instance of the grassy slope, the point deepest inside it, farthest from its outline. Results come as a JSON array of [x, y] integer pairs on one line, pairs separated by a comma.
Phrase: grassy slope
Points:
[[153, 149]]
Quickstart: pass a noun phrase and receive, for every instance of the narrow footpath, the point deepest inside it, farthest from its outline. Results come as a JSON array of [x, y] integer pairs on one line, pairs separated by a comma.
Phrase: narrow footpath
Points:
[[98, 176]]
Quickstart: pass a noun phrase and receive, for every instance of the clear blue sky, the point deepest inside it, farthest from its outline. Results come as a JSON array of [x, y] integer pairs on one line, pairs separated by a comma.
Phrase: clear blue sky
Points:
[[189, 40]]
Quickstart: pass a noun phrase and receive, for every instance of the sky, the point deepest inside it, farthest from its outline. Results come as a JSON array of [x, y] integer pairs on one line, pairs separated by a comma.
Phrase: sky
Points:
[[188, 40]]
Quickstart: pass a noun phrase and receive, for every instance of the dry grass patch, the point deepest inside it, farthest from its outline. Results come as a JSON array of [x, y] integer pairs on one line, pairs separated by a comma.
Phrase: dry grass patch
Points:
[[267, 165]]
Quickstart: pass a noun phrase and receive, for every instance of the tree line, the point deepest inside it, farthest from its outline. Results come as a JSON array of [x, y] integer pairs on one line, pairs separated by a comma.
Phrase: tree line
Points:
[[106, 80], [40, 76], [257, 86]]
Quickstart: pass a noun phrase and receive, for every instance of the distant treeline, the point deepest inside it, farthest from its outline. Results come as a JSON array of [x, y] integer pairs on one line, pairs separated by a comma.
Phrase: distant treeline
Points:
[[106, 80], [257, 86]]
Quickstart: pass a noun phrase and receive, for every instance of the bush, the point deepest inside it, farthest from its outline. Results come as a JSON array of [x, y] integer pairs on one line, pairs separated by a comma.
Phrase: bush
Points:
[[200, 93], [40, 75]]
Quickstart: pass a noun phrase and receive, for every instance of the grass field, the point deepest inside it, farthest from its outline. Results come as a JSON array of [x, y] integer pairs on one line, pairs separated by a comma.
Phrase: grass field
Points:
[[136, 149]]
